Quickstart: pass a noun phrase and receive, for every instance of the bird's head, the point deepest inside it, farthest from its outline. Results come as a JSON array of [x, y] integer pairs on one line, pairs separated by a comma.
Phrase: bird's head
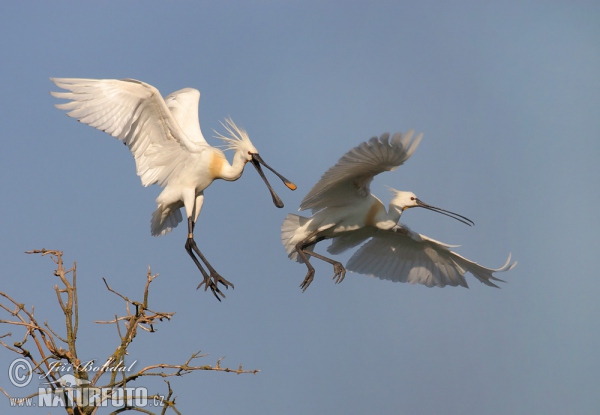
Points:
[[403, 200], [407, 200], [239, 142]]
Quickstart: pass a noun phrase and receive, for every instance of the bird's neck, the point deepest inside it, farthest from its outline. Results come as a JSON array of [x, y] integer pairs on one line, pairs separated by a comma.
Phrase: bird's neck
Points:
[[234, 170], [392, 216]]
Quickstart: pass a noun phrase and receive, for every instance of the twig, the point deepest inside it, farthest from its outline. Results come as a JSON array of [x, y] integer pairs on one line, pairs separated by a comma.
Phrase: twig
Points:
[[51, 348]]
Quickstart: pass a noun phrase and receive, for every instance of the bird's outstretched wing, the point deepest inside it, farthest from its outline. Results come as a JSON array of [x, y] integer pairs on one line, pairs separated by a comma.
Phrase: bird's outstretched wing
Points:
[[184, 108], [401, 255], [135, 113], [351, 176]]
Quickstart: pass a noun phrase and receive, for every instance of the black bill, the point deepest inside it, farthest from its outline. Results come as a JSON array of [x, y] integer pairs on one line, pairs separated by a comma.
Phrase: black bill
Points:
[[257, 161], [453, 215]]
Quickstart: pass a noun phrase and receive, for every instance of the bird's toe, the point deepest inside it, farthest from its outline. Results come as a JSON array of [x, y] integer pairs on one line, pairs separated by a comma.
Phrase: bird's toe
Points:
[[339, 272], [307, 280]]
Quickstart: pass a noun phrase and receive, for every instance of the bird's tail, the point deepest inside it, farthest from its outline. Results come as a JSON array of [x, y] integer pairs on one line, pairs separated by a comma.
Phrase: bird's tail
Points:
[[291, 234], [164, 219]]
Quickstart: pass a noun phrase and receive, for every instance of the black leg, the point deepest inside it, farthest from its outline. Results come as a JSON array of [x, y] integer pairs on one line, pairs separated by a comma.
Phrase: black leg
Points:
[[338, 268], [210, 281], [311, 270]]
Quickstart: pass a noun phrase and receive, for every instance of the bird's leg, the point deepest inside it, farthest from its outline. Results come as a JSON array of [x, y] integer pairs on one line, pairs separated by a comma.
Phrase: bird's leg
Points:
[[189, 243], [338, 268], [300, 246], [210, 281]]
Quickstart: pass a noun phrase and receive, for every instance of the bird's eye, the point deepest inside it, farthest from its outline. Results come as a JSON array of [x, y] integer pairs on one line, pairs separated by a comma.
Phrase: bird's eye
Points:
[[249, 153], [412, 198]]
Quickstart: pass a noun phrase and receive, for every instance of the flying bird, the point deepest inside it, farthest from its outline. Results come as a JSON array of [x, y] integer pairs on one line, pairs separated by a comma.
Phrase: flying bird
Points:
[[168, 147], [345, 211]]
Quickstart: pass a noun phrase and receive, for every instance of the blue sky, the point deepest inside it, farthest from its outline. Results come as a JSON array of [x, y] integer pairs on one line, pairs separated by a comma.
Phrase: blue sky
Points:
[[507, 95]]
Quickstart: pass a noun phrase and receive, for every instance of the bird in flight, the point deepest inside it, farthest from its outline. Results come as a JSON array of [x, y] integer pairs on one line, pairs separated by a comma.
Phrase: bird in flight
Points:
[[169, 150], [345, 211]]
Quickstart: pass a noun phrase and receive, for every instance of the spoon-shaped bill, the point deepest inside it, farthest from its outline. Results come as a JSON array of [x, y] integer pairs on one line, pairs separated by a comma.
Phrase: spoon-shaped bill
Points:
[[453, 215], [285, 181], [256, 162]]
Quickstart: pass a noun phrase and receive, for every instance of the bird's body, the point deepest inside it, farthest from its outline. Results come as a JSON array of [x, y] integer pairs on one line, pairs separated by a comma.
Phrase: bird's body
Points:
[[167, 144], [200, 171], [346, 212], [333, 221]]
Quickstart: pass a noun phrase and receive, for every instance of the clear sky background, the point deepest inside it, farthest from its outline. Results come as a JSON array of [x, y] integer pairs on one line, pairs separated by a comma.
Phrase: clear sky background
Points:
[[507, 95]]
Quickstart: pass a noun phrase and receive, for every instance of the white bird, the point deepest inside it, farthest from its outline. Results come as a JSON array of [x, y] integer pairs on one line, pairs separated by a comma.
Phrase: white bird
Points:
[[345, 211], [169, 149]]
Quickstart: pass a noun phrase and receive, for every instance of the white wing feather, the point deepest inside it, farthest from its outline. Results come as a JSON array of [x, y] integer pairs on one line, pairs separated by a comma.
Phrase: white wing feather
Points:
[[184, 108], [135, 113], [351, 176], [401, 255], [347, 240]]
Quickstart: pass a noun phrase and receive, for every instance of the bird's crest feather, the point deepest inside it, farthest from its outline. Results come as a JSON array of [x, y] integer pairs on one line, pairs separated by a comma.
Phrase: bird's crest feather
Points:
[[237, 138]]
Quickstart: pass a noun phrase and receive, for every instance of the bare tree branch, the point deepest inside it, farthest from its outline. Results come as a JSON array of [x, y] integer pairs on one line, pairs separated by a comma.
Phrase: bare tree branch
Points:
[[51, 350]]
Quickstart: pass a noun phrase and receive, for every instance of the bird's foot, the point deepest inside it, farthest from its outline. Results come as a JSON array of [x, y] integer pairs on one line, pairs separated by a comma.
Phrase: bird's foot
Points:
[[217, 279], [208, 283], [339, 272], [308, 279], [213, 281]]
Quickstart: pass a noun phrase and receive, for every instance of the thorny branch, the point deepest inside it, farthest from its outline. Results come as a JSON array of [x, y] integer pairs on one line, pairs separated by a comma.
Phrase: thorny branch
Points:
[[49, 349]]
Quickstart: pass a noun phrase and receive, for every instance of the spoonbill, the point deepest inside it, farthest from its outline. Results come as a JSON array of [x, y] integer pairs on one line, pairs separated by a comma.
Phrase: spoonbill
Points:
[[169, 149], [345, 211]]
